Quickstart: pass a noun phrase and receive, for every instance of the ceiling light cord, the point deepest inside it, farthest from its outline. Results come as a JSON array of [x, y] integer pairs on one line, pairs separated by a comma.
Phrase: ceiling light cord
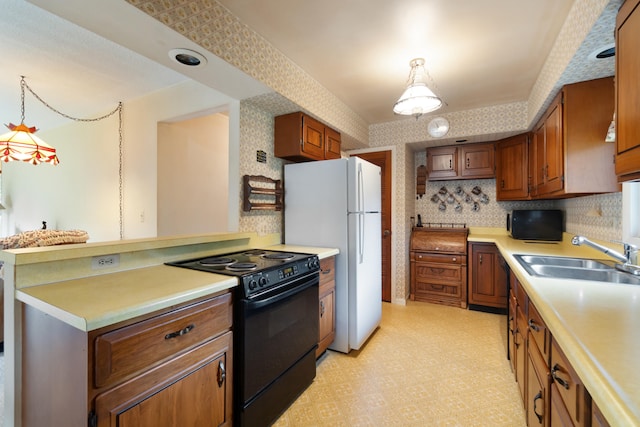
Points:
[[118, 109]]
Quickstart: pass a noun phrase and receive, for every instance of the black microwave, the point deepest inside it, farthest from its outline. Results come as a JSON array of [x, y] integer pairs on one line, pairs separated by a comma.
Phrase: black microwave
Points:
[[545, 225]]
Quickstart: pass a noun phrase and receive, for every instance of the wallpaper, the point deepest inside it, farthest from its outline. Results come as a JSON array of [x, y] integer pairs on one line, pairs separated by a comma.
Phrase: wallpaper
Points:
[[588, 26]]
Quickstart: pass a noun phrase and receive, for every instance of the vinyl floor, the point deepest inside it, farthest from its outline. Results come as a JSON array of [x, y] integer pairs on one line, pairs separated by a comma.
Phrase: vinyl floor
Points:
[[426, 365]]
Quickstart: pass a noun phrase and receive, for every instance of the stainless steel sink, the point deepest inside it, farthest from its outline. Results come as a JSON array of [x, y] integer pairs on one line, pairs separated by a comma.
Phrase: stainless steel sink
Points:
[[575, 268], [564, 262]]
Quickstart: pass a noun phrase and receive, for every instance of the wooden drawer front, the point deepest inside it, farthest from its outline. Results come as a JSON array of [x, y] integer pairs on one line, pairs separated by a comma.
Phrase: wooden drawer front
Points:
[[327, 270], [439, 258], [438, 289], [131, 349], [569, 387], [538, 330], [439, 273]]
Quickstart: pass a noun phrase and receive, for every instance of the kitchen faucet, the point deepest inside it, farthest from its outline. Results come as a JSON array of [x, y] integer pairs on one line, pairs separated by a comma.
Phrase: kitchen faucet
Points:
[[629, 259]]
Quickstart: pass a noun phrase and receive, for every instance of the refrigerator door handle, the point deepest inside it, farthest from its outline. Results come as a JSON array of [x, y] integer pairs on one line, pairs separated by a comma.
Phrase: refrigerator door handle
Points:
[[361, 233], [360, 189]]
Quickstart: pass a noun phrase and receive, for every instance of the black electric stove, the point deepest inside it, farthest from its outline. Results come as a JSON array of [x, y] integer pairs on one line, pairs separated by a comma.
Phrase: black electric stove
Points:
[[276, 323]]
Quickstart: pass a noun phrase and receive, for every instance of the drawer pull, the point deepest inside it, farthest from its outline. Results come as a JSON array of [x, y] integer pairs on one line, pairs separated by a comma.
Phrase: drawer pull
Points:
[[533, 326], [535, 399], [222, 373], [321, 308], [437, 270], [327, 271], [180, 332], [554, 374]]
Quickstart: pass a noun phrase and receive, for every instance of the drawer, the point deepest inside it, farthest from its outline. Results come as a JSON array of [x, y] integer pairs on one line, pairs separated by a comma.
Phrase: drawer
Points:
[[447, 240], [327, 270], [439, 273], [569, 387], [439, 258], [538, 330], [137, 347], [438, 289]]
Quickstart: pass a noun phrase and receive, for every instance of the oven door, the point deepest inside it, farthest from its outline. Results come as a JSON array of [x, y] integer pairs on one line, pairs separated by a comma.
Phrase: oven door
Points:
[[277, 330]]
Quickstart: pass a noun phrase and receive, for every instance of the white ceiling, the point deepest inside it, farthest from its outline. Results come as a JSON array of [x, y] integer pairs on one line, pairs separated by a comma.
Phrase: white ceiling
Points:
[[478, 53]]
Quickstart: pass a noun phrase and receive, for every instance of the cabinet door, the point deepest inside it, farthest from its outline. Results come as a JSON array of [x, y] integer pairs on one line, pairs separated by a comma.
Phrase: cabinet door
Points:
[[442, 162], [537, 161], [194, 389], [627, 90], [512, 168], [537, 390], [478, 161], [312, 138], [332, 144], [554, 148], [327, 295], [488, 279]]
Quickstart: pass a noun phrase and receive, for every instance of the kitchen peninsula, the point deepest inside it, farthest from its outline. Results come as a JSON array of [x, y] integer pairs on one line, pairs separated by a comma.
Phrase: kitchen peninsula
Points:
[[61, 286]]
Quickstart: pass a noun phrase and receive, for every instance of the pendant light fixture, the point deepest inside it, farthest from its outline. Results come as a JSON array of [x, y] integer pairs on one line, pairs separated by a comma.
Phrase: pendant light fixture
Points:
[[21, 143], [417, 99]]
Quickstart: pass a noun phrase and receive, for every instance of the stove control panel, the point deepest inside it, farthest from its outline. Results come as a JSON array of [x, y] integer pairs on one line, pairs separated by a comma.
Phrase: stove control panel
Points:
[[264, 279]]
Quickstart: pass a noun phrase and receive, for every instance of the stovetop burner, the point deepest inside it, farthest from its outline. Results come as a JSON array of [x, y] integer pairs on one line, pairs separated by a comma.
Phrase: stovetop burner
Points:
[[278, 255], [217, 261], [242, 266]]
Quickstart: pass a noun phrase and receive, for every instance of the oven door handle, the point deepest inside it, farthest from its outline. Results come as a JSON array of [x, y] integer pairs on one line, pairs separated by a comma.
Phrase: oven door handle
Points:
[[259, 303]]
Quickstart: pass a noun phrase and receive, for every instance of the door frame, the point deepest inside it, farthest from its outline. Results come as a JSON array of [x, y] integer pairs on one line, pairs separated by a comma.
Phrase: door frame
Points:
[[394, 222]]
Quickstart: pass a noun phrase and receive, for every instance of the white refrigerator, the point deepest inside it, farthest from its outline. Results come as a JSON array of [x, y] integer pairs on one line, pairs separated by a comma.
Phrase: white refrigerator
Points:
[[336, 203]]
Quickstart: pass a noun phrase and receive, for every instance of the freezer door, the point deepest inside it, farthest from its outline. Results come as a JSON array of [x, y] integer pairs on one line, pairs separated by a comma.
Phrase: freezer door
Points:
[[365, 277], [363, 186]]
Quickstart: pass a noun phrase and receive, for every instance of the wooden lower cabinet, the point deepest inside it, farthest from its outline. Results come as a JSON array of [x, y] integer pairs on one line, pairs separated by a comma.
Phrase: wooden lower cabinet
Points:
[[438, 264], [327, 294], [552, 393], [487, 276], [171, 367]]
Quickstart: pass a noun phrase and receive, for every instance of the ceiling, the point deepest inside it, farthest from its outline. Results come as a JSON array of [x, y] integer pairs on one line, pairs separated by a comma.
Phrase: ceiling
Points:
[[478, 53]]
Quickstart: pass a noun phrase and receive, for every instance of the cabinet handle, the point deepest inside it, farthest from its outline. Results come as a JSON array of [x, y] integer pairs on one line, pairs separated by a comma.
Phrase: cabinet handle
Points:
[[450, 164], [533, 326], [515, 335], [328, 271], [535, 399], [321, 308], [554, 375], [480, 258], [502, 183], [454, 259], [468, 163], [437, 270], [222, 373], [180, 332]]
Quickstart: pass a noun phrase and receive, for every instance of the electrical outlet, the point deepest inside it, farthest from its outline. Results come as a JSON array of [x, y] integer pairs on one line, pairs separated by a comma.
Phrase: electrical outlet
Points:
[[105, 261]]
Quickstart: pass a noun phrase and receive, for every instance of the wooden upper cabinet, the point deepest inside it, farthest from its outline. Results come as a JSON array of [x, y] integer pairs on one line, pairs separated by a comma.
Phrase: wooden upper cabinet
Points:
[[442, 163], [469, 161], [512, 166], [477, 160], [628, 91], [570, 157], [301, 138]]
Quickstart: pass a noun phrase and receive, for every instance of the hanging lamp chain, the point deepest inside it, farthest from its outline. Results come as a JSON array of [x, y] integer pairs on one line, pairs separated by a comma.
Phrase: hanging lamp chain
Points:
[[118, 109], [23, 85]]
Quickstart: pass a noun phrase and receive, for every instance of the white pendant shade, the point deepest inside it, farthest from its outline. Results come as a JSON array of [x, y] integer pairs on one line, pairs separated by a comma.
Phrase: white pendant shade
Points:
[[417, 99]]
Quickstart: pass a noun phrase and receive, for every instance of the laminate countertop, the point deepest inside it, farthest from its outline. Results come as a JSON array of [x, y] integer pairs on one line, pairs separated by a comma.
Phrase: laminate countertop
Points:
[[596, 324], [93, 302]]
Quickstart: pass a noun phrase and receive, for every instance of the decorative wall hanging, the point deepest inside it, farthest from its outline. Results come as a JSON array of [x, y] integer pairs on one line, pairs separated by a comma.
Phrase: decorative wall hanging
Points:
[[444, 197], [421, 180], [270, 189]]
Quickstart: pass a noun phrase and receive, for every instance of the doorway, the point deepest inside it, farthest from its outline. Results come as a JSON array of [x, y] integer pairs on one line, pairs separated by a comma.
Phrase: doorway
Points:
[[383, 160]]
